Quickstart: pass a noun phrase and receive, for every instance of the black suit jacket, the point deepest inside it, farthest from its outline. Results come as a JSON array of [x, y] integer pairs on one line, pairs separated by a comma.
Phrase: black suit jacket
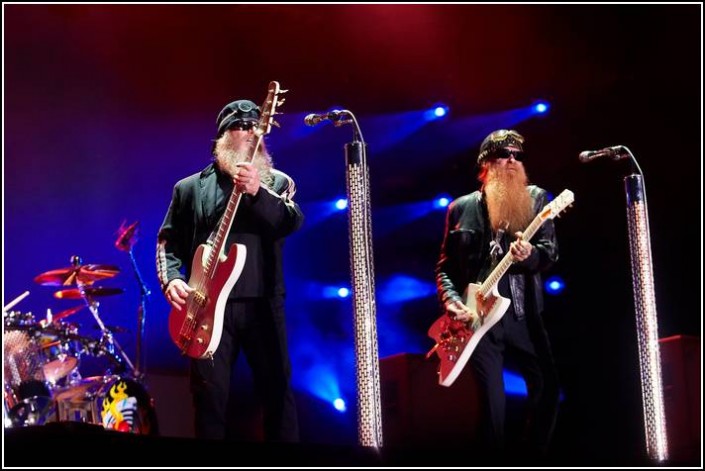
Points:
[[261, 223]]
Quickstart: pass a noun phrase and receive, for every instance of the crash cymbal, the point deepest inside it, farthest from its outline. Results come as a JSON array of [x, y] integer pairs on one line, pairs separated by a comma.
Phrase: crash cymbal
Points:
[[67, 312], [75, 293], [70, 276]]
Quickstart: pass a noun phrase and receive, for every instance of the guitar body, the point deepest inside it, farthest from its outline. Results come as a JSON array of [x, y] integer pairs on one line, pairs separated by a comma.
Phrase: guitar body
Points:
[[196, 328], [456, 340]]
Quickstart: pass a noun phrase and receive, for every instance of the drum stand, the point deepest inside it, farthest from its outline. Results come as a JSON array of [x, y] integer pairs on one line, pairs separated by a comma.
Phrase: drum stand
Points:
[[107, 341]]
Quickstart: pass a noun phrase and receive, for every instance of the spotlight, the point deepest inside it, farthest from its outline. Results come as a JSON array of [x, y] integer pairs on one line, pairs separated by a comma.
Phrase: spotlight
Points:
[[554, 285], [339, 405], [437, 112], [341, 204], [540, 107], [332, 292], [442, 202]]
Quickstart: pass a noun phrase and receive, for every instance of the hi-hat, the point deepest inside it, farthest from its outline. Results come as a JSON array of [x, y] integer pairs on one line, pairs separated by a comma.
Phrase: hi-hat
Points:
[[81, 274], [76, 293]]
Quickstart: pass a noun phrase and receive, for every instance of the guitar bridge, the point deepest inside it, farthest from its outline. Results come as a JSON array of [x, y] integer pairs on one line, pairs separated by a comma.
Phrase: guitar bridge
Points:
[[199, 298]]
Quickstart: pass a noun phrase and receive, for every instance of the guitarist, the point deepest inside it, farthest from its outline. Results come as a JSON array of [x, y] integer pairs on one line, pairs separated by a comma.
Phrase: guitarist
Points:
[[254, 314], [480, 228]]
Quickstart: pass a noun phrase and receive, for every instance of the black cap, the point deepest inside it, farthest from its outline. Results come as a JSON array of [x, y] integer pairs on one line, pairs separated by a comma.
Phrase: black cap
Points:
[[500, 139], [237, 113]]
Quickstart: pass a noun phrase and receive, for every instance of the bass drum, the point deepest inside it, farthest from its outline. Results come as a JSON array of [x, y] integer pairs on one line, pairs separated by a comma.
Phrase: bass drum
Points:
[[114, 402]]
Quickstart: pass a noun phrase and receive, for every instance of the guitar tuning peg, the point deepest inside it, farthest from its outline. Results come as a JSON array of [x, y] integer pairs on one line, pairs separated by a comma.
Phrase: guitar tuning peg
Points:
[[283, 91], [282, 101], [275, 124]]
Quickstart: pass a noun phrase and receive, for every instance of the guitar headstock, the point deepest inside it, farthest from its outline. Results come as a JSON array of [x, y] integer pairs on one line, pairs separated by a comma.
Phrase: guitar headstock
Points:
[[558, 205], [269, 107]]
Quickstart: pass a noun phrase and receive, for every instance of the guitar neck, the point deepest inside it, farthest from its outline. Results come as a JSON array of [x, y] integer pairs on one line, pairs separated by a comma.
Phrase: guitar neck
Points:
[[226, 222], [504, 264]]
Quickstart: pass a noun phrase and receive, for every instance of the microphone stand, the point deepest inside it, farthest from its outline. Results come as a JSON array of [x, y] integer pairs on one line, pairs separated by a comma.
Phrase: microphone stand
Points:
[[140, 369], [126, 241], [369, 412], [646, 316]]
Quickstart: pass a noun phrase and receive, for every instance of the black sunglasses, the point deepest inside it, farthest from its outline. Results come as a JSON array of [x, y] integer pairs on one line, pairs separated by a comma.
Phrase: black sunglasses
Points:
[[243, 125], [506, 153]]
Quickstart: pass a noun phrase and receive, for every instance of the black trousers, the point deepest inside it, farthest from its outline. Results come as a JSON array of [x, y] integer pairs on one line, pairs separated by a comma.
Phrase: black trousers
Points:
[[524, 342], [257, 327]]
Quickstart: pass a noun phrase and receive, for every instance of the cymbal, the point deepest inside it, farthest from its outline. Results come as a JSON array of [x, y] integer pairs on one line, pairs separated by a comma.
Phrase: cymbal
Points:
[[67, 312], [75, 293], [85, 274]]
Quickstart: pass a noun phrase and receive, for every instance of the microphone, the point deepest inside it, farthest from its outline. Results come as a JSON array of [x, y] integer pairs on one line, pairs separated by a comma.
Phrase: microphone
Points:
[[614, 153], [313, 119]]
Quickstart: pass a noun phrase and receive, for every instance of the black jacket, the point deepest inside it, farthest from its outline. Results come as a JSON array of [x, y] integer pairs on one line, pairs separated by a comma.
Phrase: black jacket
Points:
[[465, 253], [260, 223]]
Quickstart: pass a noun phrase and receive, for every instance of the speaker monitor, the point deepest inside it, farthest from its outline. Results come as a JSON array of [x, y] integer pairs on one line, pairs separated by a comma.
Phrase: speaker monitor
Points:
[[680, 370], [416, 410]]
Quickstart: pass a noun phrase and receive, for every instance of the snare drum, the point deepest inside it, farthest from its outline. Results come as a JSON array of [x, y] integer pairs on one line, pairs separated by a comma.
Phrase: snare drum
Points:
[[115, 402]]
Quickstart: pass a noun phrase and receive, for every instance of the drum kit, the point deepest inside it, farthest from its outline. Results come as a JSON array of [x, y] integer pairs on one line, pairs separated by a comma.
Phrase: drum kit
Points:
[[42, 359]]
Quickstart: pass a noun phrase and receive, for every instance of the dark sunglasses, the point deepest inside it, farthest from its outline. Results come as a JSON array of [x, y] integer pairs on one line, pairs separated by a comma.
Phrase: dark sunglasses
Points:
[[506, 153], [243, 125]]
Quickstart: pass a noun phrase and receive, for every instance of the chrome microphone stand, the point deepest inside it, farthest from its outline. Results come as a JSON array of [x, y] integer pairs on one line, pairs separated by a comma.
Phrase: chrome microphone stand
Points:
[[644, 302], [363, 284], [369, 411], [646, 315]]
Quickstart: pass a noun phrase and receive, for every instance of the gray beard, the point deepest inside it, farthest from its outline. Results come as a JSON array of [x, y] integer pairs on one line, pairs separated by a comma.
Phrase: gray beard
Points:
[[227, 159]]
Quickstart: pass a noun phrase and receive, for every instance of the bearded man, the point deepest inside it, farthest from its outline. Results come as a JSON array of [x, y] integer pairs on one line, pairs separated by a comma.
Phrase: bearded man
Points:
[[480, 228], [253, 319]]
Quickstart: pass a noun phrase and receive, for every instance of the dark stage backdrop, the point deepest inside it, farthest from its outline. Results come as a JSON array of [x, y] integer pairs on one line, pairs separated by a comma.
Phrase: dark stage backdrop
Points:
[[107, 106]]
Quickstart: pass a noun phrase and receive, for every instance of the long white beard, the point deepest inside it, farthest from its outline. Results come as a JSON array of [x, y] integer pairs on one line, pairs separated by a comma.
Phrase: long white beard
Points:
[[227, 157]]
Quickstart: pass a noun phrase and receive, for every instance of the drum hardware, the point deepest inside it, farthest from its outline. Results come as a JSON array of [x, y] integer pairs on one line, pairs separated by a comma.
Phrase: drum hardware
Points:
[[35, 410], [116, 329], [51, 318], [83, 276], [16, 320]]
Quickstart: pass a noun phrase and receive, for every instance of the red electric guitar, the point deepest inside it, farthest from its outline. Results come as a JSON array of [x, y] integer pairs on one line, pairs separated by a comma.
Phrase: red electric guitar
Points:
[[455, 339], [196, 328]]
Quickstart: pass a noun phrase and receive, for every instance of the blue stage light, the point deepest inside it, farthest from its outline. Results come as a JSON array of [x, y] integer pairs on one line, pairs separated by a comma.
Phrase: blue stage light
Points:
[[339, 405], [331, 292], [541, 107], [341, 204], [554, 285], [442, 202], [437, 112]]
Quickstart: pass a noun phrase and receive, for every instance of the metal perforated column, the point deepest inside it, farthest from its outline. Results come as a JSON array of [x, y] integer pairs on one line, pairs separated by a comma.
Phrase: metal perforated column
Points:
[[363, 288], [646, 319]]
